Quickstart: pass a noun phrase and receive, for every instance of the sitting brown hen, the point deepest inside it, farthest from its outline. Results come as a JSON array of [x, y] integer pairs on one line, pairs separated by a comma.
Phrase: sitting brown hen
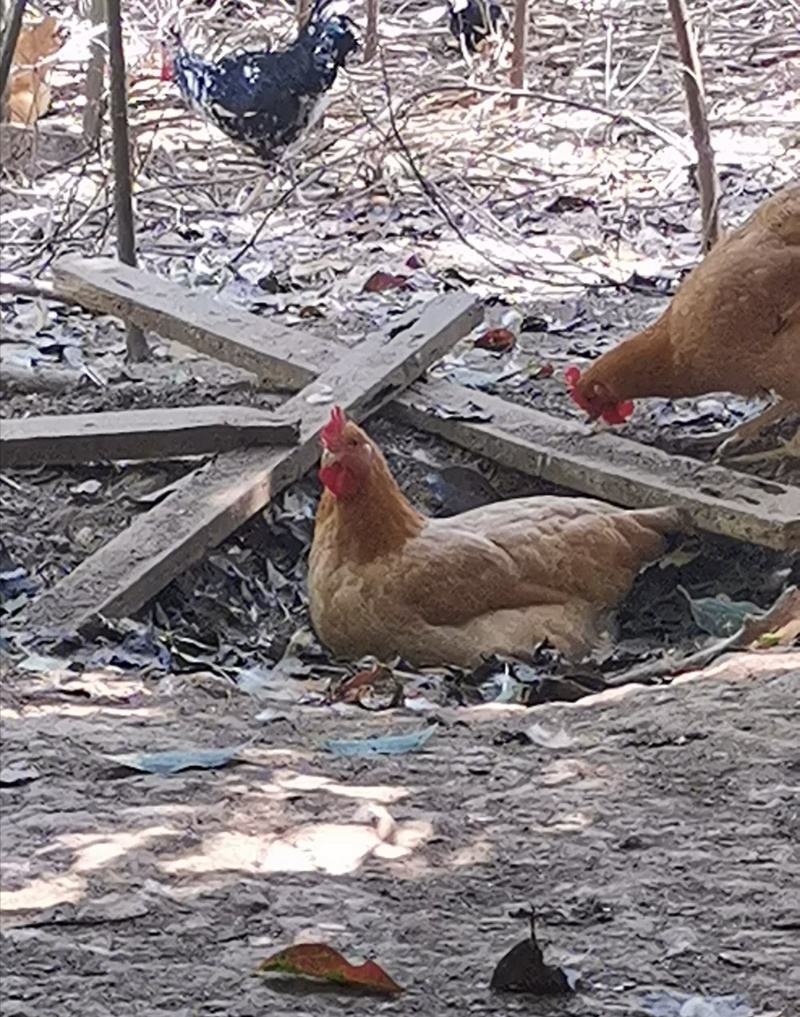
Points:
[[385, 580]]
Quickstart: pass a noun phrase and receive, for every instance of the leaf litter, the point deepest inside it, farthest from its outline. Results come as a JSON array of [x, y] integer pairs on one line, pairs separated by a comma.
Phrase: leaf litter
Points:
[[517, 187]]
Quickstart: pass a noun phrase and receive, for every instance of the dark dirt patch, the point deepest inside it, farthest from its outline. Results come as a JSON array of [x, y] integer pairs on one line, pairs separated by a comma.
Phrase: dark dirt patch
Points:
[[659, 849]]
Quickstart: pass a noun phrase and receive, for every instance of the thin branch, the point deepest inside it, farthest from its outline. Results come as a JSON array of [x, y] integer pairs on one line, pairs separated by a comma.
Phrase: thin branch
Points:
[[303, 8], [371, 34], [425, 185], [754, 626], [432, 192], [95, 79], [638, 120], [284, 197], [518, 50], [707, 178], [123, 203]]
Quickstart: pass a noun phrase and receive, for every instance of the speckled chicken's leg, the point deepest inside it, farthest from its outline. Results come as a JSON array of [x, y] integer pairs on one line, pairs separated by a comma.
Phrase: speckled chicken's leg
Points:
[[281, 164], [255, 195], [465, 53], [290, 156]]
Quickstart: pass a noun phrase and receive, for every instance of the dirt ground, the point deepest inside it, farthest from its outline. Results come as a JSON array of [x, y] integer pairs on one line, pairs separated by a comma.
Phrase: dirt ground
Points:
[[659, 843], [659, 846]]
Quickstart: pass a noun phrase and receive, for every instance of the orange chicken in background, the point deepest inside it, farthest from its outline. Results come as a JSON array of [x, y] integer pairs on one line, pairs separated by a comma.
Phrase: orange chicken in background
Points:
[[29, 91], [386, 581], [732, 326]]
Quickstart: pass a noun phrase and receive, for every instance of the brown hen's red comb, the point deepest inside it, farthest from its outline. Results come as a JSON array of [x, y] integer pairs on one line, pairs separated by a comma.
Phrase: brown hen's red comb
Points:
[[333, 429]]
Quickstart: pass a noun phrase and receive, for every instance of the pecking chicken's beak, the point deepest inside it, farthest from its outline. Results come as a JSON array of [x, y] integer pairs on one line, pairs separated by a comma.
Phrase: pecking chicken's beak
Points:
[[327, 458]]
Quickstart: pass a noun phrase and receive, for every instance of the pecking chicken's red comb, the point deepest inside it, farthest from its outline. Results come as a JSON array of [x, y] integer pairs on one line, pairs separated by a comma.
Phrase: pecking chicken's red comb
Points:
[[617, 414], [332, 431], [572, 376], [611, 413]]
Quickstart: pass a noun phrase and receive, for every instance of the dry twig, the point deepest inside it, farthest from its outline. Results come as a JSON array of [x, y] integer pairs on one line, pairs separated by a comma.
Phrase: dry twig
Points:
[[95, 79], [123, 203], [519, 49], [371, 34], [707, 178]]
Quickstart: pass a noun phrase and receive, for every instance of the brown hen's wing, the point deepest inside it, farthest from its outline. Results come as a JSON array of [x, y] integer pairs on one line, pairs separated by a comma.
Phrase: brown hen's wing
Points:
[[779, 215], [731, 320], [529, 551]]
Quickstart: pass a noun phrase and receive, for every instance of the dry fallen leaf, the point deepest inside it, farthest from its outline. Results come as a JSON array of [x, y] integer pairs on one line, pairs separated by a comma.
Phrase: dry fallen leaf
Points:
[[523, 968], [318, 960], [780, 626], [380, 281], [499, 340], [373, 687]]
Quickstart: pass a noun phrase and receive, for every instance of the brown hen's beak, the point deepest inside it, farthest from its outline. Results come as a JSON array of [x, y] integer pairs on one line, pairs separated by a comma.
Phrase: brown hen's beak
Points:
[[327, 458]]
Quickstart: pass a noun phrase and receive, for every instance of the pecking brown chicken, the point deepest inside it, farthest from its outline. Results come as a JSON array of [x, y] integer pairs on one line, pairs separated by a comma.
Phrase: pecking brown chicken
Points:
[[733, 326], [387, 581]]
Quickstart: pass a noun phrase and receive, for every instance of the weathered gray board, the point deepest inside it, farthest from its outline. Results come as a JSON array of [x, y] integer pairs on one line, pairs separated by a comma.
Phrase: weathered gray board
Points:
[[139, 434], [283, 359], [604, 465], [122, 576]]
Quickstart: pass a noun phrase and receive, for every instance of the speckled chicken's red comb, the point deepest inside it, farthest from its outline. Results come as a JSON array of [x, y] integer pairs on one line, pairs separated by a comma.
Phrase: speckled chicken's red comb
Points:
[[332, 431]]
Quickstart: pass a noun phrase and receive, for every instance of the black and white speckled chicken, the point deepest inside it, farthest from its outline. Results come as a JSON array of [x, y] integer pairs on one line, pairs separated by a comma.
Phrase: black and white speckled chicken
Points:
[[266, 100], [476, 24]]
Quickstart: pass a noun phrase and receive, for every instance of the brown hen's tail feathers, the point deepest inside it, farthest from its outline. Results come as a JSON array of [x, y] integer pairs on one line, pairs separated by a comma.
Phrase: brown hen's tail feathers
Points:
[[666, 519]]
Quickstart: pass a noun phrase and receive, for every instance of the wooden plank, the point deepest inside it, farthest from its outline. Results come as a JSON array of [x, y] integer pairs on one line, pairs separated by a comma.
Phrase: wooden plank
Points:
[[285, 359], [122, 576], [139, 434], [606, 466]]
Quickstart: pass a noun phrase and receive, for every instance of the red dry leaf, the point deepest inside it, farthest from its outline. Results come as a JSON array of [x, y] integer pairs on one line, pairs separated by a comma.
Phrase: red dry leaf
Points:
[[348, 691], [380, 281], [318, 960], [499, 340]]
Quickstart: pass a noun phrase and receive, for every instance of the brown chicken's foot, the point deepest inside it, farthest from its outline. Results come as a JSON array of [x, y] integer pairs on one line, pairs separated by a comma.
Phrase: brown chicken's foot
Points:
[[752, 429], [788, 449]]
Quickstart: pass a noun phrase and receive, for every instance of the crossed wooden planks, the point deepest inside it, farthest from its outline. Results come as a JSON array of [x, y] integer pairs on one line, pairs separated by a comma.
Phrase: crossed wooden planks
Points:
[[124, 575]]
